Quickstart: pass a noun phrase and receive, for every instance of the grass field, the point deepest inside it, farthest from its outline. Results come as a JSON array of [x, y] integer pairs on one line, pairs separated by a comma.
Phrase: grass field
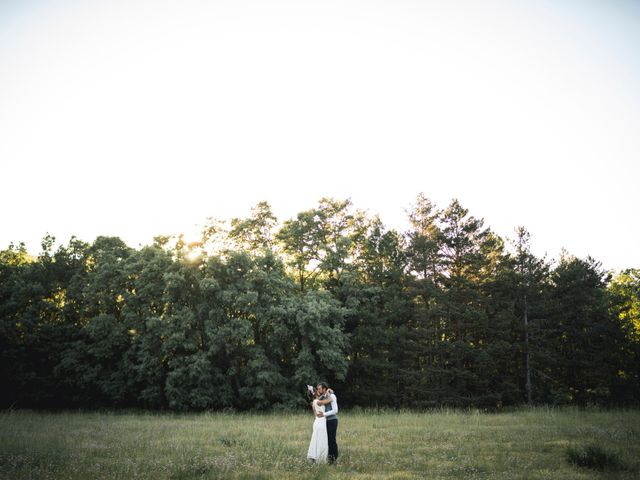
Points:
[[445, 444]]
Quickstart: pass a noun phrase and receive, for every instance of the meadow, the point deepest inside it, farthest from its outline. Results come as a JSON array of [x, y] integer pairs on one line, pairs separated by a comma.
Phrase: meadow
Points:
[[538, 443]]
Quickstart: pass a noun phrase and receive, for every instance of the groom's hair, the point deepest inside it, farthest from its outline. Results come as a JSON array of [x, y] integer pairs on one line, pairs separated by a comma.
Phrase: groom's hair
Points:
[[323, 385]]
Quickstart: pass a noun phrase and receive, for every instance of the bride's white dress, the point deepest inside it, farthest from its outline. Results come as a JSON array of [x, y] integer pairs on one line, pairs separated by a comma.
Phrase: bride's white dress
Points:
[[319, 446]]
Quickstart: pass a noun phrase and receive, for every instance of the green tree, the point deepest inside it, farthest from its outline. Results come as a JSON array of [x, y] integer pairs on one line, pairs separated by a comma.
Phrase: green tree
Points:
[[92, 363], [531, 279], [35, 321], [471, 257], [625, 291], [255, 233], [375, 295], [321, 241], [424, 363], [584, 338], [143, 314]]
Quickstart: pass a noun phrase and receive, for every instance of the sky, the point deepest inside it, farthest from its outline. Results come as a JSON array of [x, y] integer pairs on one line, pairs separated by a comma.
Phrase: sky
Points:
[[138, 118]]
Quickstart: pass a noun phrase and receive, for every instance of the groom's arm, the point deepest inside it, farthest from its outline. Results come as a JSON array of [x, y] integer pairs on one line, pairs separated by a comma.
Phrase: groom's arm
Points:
[[327, 400], [334, 406]]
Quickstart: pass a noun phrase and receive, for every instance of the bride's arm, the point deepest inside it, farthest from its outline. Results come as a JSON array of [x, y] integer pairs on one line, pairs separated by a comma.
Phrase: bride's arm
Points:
[[315, 410]]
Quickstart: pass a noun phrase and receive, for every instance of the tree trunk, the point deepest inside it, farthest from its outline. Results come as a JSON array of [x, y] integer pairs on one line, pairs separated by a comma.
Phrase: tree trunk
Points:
[[527, 352]]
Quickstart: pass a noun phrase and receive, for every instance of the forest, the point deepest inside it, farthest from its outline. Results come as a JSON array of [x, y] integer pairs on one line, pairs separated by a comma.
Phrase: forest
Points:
[[447, 313]]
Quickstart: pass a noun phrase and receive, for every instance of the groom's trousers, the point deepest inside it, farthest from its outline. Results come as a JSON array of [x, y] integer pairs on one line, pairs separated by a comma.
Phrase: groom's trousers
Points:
[[332, 429]]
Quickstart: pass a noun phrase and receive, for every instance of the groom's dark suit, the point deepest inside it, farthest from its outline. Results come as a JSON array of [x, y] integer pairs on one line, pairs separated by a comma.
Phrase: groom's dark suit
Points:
[[330, 413]]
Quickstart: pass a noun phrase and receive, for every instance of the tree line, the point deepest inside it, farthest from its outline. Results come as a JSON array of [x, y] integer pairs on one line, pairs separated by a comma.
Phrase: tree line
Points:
[[447, 313]]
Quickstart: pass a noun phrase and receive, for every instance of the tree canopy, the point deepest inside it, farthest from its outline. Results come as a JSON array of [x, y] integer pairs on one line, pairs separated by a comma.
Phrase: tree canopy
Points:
[[447, 313]]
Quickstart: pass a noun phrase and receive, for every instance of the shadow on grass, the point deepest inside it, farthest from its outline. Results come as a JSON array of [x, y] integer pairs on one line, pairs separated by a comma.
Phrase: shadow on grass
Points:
[[597, 457], [30, 465]]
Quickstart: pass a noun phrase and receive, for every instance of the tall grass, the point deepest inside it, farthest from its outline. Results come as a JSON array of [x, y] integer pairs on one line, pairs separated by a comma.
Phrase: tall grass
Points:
[[443, 444]]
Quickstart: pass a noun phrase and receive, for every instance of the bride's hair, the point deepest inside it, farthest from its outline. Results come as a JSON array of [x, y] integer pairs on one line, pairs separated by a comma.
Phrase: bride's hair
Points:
[[311, 394]]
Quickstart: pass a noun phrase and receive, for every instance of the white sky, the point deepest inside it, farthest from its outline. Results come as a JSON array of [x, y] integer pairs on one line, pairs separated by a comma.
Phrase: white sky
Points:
[[136, 118]]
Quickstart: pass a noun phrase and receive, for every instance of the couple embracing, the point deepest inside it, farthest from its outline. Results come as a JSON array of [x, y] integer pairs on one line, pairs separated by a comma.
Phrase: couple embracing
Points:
[[323, 446]]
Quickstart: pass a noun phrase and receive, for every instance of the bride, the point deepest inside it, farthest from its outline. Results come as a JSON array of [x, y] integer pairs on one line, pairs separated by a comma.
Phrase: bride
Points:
[[319, 446]]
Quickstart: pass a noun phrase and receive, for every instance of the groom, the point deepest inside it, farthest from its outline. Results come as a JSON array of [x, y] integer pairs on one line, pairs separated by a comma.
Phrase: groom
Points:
[[331, 414]]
